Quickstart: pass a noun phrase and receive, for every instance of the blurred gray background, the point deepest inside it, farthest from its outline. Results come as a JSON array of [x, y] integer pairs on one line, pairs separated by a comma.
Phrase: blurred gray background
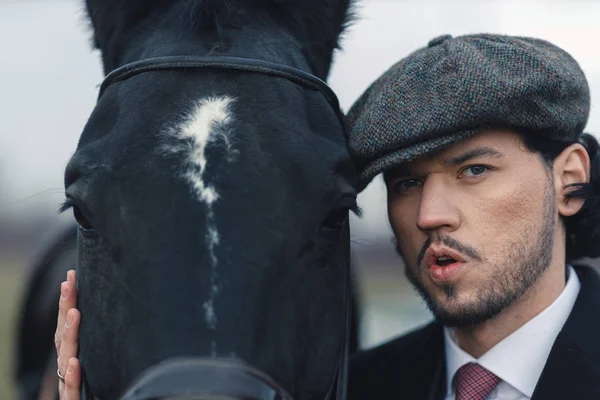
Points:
[[48, 87]]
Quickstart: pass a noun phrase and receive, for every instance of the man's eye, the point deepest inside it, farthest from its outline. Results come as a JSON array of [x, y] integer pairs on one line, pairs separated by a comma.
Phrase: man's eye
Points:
[[406, 184], [474, 170]]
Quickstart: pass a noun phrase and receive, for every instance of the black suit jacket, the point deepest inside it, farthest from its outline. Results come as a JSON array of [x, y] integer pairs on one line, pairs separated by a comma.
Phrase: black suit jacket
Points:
[[412, 367]]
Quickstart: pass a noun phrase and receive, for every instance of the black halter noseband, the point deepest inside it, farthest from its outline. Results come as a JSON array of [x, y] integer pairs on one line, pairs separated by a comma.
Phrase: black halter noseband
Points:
[[166, 379], [229, 63]]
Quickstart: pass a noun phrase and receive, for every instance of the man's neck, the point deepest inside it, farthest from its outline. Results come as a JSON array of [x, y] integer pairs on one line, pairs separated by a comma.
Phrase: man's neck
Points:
[[478, 339]]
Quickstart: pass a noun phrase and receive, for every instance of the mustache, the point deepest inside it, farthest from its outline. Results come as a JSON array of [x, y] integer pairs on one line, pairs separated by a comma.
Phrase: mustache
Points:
[[450, 243]]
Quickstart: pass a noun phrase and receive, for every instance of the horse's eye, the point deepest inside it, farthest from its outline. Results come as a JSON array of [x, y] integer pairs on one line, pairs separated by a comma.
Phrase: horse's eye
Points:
[[81, 220], [336, 218]]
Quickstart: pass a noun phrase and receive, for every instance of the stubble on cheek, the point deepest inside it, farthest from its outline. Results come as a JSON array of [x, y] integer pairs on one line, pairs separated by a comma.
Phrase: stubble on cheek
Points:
[[508, 219], [407, 251]]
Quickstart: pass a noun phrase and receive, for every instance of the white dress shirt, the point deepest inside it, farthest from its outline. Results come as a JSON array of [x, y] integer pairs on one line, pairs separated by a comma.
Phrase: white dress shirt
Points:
[[518, 360]]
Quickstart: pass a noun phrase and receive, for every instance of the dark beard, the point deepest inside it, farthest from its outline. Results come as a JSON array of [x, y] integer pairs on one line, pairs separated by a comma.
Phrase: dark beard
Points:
[[517, 273]]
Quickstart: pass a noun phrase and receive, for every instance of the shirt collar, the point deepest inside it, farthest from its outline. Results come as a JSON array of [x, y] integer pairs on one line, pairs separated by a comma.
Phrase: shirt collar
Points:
[[520, 357]]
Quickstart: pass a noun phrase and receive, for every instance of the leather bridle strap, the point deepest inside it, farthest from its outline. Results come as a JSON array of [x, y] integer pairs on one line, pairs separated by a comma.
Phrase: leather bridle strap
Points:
[[227, 63]]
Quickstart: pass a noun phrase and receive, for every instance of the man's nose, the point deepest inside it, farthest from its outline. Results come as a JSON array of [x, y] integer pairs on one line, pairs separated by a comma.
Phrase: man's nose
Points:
[[437, 210]]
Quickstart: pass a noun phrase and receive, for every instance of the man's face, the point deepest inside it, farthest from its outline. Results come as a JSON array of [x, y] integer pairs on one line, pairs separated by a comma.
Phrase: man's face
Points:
[[474, 224]]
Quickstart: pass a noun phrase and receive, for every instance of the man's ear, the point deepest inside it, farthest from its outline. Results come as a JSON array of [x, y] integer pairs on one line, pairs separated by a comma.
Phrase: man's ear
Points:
[[571, 167]]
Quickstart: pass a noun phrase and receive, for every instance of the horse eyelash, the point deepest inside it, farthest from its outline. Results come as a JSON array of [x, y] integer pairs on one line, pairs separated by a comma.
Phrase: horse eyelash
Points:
[[357, 210], [65, 205]]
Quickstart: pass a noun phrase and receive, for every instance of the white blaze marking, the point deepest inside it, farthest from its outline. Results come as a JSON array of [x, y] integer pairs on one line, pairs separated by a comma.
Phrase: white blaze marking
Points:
[[209, 121]]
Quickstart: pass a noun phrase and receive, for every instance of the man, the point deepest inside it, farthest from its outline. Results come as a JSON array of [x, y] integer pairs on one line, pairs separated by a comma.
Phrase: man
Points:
[[493, 191], [480, 142]]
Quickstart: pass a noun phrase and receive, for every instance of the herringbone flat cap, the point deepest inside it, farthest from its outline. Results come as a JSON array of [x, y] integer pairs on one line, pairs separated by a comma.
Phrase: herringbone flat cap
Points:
[[456, 87]]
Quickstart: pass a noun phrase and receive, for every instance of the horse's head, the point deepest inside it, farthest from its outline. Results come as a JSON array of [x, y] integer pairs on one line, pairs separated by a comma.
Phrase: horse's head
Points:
[[213, 202]]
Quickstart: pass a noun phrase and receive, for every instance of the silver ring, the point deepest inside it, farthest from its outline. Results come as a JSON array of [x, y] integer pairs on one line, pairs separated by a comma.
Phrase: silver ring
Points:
[[62, 378]]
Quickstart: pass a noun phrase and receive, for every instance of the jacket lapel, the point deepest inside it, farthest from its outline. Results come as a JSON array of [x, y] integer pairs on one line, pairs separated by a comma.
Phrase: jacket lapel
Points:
[[572, 370], [430, 366], [437, 391]]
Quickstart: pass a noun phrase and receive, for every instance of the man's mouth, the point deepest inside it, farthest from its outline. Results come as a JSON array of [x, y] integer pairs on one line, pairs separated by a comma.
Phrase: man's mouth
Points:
[[444, 264], [445, 261]]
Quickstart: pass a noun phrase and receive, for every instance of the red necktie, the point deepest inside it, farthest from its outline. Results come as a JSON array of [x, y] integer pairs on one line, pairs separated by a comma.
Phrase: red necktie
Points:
[[473, 382]]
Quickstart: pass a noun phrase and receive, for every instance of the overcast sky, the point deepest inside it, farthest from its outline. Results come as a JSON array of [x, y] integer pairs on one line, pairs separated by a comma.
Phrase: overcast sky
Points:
[[49, 76]]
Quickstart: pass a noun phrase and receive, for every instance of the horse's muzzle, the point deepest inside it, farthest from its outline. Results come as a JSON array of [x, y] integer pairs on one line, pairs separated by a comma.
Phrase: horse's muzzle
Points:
[[204, 379]]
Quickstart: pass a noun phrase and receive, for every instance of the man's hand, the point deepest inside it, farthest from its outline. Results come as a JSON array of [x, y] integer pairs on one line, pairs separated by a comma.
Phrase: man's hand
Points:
[[66, 340]]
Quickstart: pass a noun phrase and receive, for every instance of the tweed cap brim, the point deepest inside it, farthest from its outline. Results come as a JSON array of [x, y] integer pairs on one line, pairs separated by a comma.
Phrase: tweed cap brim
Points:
[[456, 87], [412, 152]]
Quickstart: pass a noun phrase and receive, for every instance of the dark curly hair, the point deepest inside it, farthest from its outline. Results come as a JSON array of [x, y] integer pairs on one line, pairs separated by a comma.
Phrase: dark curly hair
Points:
[[583, 228]]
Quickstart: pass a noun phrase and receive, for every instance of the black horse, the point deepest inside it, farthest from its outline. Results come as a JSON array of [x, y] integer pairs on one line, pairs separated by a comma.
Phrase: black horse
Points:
[[212, 198]]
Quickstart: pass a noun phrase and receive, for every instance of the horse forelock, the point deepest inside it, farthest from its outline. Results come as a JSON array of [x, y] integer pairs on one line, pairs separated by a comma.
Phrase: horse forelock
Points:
[[317, 25]]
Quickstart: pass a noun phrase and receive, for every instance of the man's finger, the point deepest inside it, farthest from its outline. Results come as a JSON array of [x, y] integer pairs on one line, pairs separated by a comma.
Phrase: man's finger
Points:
[[69, 340], [72, 389], [71, 276], [68, 300]]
